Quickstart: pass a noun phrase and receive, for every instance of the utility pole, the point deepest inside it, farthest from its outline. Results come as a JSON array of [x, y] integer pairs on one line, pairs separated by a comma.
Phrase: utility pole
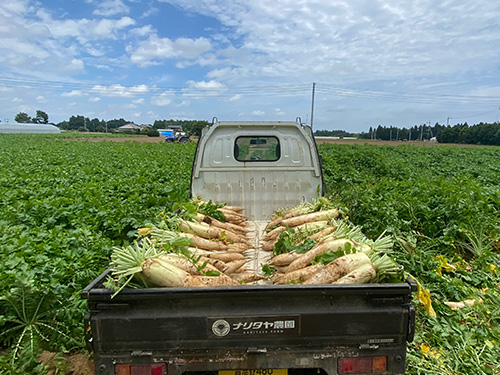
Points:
[[312, 104]]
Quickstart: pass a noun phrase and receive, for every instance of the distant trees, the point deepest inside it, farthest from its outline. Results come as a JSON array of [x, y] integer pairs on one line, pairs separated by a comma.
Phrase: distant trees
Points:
[[333, 133], [22, 117], [81, 123], [40, 118], [481, 134], [393, 133]]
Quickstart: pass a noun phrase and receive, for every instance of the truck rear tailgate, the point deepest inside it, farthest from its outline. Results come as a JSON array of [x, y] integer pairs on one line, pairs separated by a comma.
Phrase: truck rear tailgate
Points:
[[246, 316]]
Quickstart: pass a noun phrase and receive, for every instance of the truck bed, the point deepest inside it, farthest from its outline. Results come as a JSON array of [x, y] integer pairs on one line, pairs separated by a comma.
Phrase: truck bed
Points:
[[243, 327]]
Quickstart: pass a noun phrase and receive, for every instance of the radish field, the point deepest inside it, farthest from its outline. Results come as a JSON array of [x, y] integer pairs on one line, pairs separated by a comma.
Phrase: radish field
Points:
[[65, 203]]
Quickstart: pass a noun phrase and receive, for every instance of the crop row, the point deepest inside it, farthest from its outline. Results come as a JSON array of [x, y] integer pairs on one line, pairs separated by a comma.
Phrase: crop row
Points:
[[443, 205], [63, 205]]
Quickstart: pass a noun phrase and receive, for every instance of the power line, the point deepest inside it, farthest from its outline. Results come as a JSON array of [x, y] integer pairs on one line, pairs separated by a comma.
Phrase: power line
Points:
[[423, 98], [274, 89], [476, 115]]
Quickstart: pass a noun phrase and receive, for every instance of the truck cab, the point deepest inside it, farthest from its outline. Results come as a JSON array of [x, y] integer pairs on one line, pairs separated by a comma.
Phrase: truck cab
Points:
[[261, 166]]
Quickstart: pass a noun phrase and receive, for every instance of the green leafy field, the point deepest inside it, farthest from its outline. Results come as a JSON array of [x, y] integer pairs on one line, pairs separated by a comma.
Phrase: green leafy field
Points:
[[443, 204], [65, 203]]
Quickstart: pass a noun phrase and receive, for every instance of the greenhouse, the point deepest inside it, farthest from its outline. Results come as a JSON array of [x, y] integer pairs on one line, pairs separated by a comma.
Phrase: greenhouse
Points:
[[28, 128]]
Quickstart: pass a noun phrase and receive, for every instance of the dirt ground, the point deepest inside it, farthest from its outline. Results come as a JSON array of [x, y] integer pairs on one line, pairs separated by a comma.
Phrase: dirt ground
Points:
[[373, 142], [318, 141], [387, 143], [121, 139]]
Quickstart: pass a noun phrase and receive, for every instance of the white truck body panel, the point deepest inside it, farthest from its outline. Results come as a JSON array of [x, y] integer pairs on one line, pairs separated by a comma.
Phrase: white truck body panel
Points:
[[260, 186]]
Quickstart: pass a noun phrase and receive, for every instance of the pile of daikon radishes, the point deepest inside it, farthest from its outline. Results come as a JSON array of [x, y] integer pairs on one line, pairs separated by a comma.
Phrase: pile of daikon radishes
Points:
[[211, 244]]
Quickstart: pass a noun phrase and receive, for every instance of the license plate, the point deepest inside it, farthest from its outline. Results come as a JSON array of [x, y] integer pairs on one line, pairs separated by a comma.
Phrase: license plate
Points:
[[268, 371]]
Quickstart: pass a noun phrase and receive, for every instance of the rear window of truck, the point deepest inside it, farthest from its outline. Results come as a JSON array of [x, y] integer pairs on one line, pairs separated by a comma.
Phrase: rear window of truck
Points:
[[257, 148]]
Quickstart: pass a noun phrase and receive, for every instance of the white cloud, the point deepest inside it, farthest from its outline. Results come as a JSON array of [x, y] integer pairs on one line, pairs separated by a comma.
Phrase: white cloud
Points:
[[210, 85], [10, 8], [151, 11], [155, 50], [259, 113], [202, 89], [72, 93], [357, 39], [84, 29], [119, 91], [94, 99], [142, 31], [235, 98], [487, 91], [111, 8], [75, 65], [33, 42], [164, 99], [95, 51]]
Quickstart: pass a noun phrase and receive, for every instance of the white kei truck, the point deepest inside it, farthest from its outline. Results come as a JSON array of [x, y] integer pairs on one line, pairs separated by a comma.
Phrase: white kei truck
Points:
[[252, 329]]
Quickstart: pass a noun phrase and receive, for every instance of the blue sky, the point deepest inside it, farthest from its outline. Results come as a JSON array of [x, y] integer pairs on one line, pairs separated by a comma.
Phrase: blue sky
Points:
[[389, 63]]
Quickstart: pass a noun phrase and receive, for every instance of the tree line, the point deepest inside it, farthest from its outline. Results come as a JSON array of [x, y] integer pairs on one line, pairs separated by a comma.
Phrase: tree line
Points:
[[423, 132], [334, 133], [40, 118], [482, 133], [84, 124]]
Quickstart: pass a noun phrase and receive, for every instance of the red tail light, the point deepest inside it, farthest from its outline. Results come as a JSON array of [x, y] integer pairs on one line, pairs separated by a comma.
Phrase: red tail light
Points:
[[152, 369], [362, 365]]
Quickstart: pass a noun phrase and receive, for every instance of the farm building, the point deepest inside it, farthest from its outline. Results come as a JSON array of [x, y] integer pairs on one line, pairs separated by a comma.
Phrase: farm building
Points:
[[128, 127], [28, 128]]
